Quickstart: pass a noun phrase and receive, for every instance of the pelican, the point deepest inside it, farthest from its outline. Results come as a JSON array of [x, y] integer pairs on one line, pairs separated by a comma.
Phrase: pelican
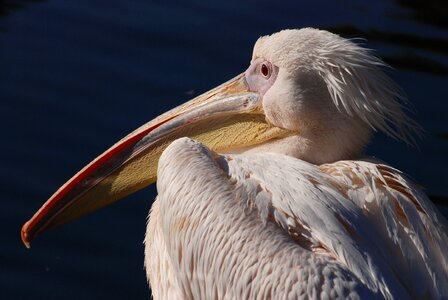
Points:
[[262, 189]]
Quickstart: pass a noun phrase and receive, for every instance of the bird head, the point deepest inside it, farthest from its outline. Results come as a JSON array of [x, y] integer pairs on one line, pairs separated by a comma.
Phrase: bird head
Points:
[[307, 93], [327, 89]]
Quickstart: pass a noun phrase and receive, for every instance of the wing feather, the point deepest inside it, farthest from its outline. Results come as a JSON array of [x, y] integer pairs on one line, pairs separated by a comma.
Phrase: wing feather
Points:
[[366, 215]]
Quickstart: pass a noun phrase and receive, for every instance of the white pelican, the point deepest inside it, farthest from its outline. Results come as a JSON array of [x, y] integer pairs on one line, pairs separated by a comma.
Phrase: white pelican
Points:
[[290, 210]]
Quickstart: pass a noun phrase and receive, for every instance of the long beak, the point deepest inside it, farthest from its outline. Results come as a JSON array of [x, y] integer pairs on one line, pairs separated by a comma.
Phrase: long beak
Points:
[[226, 118]]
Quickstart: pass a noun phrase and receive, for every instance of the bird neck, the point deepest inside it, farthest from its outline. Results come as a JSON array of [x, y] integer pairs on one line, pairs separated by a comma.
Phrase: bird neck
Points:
[[321, 145]]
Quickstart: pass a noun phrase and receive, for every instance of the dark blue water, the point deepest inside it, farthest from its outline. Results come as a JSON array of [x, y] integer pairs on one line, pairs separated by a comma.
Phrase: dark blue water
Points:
[[75, 76]]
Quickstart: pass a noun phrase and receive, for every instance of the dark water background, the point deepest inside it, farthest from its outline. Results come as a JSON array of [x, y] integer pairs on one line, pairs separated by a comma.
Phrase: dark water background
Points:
[[75, 76]]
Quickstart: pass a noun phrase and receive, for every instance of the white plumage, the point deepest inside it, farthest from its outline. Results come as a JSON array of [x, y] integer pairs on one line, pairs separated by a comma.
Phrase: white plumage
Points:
[[269, 226], [263, 225]]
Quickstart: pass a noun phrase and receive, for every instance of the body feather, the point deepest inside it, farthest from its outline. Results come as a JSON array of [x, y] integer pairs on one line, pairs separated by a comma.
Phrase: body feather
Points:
[[264, 225]]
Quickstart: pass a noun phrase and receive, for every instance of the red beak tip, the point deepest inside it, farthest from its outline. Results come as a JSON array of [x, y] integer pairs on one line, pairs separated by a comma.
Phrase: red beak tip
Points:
[[25, 238]]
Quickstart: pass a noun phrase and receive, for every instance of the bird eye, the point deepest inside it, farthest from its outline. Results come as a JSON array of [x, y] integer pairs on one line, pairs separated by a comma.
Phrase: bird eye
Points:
[[265, 70]]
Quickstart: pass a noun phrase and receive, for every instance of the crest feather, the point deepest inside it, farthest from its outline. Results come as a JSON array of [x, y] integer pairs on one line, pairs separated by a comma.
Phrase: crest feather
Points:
[[358, 85]]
